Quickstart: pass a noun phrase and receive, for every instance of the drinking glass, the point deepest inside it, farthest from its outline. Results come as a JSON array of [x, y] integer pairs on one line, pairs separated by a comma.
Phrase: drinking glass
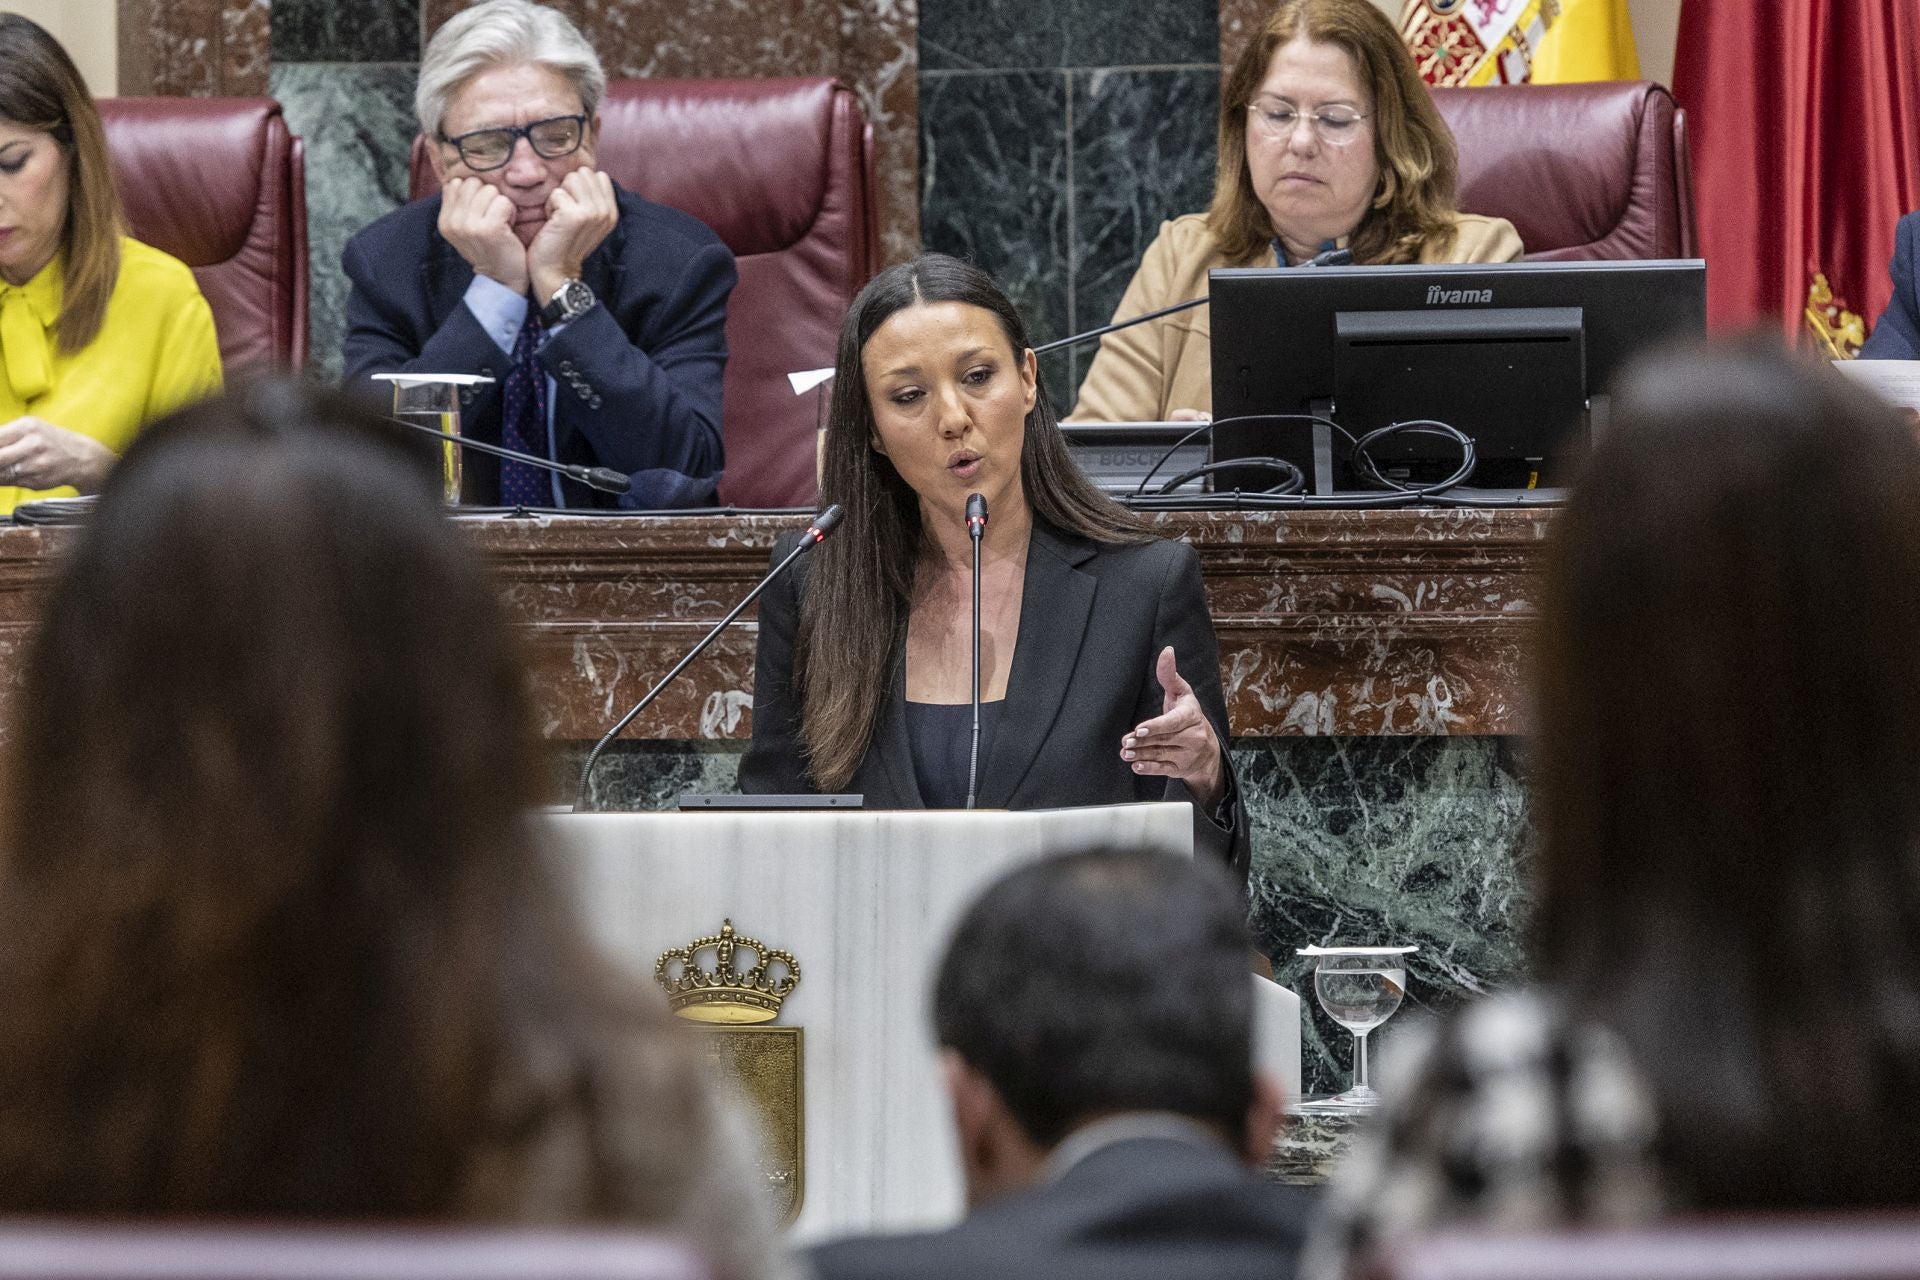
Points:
[[433, 400], [1360, 988]]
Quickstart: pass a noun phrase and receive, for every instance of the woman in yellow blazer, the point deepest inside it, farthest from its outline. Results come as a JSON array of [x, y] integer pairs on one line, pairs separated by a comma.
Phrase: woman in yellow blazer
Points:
[[1328, 139], [98, 332]]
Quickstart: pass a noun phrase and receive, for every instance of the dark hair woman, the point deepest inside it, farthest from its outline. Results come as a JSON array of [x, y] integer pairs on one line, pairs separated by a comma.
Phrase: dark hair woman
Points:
[[1099, 671], [1328, 138], [276, 935], [1728, 877], [98, 332]]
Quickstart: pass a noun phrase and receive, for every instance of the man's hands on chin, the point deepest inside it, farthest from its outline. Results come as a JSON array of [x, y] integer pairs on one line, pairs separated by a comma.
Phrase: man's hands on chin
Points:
[[478, 222], [581, 212]]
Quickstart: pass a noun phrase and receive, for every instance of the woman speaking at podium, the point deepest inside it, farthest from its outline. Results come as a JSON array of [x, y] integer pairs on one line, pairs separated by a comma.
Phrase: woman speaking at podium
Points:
[[1099, 674], [1328, 139]]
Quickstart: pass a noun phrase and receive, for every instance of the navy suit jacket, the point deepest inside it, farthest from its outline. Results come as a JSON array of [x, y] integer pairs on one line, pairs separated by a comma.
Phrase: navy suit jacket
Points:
[[1144, 1209], [1093, 619], [638, 377], [1896, 336]]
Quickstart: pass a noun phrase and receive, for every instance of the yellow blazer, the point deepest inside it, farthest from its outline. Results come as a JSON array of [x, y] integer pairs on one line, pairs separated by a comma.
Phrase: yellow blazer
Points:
[[1144, 373], [155, 352]]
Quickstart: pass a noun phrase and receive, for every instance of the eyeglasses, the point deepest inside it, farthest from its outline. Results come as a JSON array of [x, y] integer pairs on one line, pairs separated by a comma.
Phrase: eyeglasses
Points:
[[485, 149], [1276, 120]]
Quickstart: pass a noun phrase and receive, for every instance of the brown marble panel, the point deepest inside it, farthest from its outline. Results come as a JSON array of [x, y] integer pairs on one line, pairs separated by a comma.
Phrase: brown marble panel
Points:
[[1330, 622], [194, 48], [871, 45]]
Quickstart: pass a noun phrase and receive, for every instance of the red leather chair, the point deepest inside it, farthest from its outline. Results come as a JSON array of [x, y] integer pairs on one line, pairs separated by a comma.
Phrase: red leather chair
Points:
[[782, 170], [221, 184], [1836, 1246], [74, 1250], [1581, 170]]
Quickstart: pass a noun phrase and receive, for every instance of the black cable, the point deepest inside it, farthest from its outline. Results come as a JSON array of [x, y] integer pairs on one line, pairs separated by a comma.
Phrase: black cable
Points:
[[1395, 494]]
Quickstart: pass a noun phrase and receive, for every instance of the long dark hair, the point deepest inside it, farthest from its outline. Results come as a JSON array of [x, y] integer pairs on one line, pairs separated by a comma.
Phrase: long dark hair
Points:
[[862, 578], [1412, 146], [274, 935], [1728, 727], [40, 88]]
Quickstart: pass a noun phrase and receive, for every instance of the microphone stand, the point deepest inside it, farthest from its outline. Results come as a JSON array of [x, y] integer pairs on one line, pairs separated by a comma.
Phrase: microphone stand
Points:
[[815, 534], [1325, 258], [976, 525], [605, 479]]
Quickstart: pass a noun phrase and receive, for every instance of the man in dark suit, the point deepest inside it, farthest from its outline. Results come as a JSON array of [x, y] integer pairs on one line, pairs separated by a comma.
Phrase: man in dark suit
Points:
[[1896, 335], [1095, 1016], [600, 316]]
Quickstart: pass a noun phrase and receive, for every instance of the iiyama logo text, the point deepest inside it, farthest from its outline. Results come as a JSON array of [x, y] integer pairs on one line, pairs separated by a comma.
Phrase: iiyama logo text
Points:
[[1436, 295]]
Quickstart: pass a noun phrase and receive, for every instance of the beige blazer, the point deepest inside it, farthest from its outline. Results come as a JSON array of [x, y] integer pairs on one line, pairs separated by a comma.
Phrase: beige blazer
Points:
[[1144, 373]]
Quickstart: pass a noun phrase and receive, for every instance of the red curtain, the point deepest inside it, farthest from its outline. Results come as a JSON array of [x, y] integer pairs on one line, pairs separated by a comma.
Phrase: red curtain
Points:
[[1805, 124]]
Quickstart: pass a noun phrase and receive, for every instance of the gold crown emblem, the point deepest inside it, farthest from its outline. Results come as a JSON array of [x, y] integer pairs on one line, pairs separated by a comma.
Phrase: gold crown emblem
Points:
[[723, 993]]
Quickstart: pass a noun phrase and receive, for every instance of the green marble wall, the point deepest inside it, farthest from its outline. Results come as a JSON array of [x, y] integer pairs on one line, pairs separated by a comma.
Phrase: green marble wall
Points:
[[1364, 841]]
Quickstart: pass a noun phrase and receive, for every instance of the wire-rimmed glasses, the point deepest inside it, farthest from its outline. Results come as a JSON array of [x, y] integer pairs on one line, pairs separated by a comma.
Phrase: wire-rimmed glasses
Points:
[[1275, 119], [552, 138]]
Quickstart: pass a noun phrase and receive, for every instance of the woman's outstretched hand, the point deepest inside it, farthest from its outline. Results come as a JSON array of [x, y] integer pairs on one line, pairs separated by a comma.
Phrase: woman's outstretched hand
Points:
[[1179, 742]]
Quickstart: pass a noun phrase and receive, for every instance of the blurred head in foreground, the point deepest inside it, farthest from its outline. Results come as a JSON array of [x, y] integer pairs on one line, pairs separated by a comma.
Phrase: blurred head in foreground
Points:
[[1091, 986], [275, 938], [1727, 734]]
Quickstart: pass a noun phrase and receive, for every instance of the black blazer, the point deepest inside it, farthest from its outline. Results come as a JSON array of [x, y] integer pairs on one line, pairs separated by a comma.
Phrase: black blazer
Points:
[[638, 377], [1146, 1208], [1896, 335], [1093, 619]]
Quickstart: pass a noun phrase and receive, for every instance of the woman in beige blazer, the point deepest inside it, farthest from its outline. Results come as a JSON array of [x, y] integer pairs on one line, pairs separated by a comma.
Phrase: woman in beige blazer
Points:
[[1328, 139]]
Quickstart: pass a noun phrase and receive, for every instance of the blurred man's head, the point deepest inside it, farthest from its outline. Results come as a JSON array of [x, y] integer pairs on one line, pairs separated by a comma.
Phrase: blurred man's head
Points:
[[1093, 985]]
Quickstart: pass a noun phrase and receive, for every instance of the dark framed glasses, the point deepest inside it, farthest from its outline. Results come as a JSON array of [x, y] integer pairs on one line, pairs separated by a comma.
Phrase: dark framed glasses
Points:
[[485, 149]]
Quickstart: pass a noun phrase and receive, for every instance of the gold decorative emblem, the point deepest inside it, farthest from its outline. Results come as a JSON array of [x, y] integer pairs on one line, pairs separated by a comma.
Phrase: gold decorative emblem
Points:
[[1839, 332], [723, 993], [763, 1063]]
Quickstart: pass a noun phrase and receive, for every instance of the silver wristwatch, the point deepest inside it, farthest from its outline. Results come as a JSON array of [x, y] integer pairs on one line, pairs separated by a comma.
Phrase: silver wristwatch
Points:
[[569, 302]]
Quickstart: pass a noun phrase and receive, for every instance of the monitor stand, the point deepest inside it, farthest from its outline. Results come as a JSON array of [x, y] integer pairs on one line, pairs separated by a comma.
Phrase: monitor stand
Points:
[[1322, 410]]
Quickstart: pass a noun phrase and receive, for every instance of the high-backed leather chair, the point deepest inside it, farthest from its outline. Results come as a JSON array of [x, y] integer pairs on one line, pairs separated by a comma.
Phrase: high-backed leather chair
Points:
[[782, 170], [1581, 170], [221, 184], [74, 1250], [1836, 1246]]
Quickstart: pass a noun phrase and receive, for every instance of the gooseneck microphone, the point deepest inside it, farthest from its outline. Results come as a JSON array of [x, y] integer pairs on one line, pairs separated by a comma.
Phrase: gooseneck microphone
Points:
[[1328, 257], [605, 479], [976, 526], [816, 534]]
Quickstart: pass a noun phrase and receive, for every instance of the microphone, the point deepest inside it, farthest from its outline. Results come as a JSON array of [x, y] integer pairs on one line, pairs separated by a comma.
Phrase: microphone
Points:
[[605, 479], [1328, 257], [816, 534], [976, 526]]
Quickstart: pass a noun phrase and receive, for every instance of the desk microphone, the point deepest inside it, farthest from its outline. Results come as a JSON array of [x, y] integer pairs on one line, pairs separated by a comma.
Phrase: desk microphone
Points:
[[816, 534], [605, 479], [1329, 257], [976, 525]]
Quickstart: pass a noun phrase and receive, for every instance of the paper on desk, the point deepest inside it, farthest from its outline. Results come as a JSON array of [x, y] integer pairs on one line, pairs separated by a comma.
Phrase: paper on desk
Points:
[[1896, 381]]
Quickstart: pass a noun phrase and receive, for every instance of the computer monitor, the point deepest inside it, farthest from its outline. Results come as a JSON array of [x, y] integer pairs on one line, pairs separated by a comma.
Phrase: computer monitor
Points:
[[1517, 355]]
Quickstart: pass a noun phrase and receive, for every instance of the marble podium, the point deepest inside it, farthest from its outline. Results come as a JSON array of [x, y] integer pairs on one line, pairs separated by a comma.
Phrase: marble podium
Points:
[[864, 901]]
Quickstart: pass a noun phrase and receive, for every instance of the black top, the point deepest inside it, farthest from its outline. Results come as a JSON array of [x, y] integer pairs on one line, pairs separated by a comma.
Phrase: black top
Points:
[[1093, 619], [940, 736]]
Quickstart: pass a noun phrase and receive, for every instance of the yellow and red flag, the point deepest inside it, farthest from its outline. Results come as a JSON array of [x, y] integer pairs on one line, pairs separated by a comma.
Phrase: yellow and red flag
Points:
[[1472, 42]]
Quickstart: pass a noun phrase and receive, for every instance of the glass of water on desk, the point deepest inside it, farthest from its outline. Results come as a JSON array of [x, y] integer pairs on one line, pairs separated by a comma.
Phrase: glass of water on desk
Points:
[[432, 400], [1360, 988]]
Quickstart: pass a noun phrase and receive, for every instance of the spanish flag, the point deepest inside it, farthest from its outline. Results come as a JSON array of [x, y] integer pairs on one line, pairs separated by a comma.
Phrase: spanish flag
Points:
[[1590, 40], [1473, 42]]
